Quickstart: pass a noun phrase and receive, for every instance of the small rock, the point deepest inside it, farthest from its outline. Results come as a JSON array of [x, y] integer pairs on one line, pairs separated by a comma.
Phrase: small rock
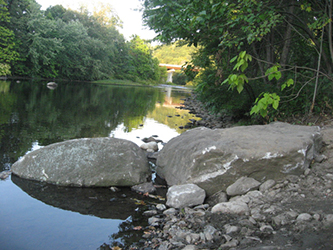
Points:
[[304, 217], [242, 186], [170, 211], [114, 189], [147, 187], [217, 198], [150, 146], [266, 185], [231, 229], [209, 231], [231, 208], [328, 219], [190, 247], [232, 243], [153, 221], [161, 207], [150, 212], [185, 196], [4, 175], [266, 228], [316, 217]]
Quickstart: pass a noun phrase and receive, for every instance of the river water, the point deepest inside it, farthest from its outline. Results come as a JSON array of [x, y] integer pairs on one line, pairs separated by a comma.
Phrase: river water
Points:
[[36, 215]]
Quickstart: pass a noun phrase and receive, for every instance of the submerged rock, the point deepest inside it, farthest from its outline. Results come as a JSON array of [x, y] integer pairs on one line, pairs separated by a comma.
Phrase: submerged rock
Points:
[[99, 162]]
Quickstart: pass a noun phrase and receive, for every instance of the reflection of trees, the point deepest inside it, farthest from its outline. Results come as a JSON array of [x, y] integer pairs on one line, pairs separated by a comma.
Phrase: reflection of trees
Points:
[[127, 237], [32, 112]]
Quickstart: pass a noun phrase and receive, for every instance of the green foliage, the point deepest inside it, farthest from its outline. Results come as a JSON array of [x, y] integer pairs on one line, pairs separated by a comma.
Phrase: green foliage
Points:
[[7, 44], [4, 69], [286, 40], [175, 53], [144, 66], [262, 104], [67, 44]]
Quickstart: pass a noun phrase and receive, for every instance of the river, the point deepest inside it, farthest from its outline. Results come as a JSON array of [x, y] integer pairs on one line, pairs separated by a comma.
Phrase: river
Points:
[[36, 215]]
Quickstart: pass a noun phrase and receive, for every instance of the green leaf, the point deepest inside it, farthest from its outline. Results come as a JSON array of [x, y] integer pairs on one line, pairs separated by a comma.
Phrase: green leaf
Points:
[[233, 59], [277, 75], [240, 88]]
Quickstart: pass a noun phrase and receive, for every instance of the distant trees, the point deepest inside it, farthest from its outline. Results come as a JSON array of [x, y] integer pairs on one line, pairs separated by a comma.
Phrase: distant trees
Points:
[[66, 44], [175, 53], [7, 44]]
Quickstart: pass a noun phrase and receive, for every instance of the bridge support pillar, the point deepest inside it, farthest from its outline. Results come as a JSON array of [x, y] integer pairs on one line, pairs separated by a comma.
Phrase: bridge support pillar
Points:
[[170, 72]]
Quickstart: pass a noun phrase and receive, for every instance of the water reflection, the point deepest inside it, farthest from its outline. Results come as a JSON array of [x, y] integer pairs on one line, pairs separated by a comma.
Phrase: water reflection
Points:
[[39, 216], [99, 202], [30, 113]]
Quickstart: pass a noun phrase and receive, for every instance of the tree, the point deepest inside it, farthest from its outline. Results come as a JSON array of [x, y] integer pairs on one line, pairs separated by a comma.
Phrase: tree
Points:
[[144, 66], [7, 44], [290, 37], [44, 44]]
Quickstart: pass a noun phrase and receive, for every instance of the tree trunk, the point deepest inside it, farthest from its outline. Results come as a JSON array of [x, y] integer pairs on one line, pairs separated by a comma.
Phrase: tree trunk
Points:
[[287, 37]]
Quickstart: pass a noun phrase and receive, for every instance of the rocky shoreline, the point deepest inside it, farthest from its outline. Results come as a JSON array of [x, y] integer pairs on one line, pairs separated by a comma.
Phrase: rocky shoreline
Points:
[[294, 213]]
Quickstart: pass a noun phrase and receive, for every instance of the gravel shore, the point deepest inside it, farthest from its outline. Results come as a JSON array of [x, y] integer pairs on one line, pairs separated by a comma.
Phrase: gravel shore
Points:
[[294, 213]]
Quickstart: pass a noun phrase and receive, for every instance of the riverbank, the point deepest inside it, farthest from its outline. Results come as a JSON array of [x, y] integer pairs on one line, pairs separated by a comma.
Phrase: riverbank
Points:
[[294, 213]]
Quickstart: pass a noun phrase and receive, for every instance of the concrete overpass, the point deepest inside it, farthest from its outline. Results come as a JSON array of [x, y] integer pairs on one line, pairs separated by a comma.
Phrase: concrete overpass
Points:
[[172, 68]]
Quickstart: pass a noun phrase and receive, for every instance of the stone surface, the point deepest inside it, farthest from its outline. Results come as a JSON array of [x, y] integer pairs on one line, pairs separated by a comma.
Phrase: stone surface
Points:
[[185, 195], [242, 186], [266, 185], [231, 208], [214, 159], [99, 162], [146, 187], [150, 146]]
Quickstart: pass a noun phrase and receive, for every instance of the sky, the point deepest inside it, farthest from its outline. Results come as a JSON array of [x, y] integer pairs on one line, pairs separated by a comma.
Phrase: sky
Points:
[[132, 20]]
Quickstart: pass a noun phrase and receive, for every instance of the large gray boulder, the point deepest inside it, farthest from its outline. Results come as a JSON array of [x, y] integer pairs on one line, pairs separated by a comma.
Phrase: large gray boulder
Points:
[[99, 162], [214, 159]]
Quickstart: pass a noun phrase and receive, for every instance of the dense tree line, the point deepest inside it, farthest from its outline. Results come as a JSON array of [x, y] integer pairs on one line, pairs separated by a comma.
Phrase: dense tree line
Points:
[[66, 44], [255, 56]]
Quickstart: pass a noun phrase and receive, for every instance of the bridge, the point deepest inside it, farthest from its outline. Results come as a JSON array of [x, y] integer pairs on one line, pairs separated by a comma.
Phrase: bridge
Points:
[[172, 68]]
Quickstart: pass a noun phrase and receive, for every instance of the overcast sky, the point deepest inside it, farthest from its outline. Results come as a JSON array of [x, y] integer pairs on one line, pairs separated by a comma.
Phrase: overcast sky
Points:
[[132, 20]]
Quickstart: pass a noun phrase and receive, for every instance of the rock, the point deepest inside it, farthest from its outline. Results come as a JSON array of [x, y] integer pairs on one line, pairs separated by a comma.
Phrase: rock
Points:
[[229, 244], [242, 186], [160, 207], [231, 208], [146, 187], [170, 211], [99, 162], [214, 159], [4, 174], [190, 247], [218, 197], [150, 146], [266, 228], [328, 219], [185, 195], [266, 185], [209, 232], [230, 229], [304, 217]]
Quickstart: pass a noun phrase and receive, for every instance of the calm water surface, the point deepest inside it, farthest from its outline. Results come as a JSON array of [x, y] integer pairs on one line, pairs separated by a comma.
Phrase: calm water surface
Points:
[[35, 215]]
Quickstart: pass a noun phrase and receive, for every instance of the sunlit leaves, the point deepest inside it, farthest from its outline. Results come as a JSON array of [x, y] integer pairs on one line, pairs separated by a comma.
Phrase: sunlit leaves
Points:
[[263, 103], [273, 72], [288, 83]]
